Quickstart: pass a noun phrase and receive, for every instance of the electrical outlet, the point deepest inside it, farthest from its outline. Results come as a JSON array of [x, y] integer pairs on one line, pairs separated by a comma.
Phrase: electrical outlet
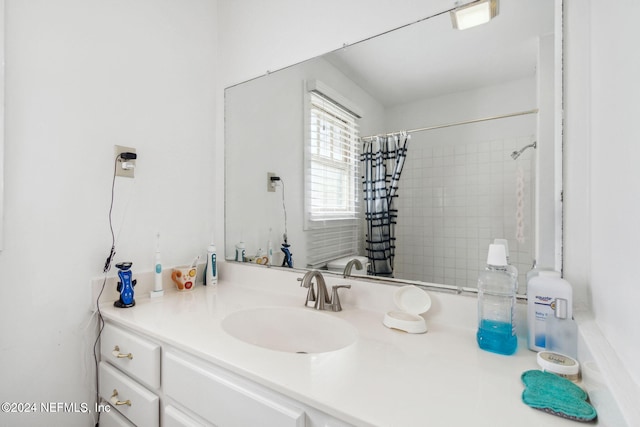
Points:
[[124, 168], [271, 185]]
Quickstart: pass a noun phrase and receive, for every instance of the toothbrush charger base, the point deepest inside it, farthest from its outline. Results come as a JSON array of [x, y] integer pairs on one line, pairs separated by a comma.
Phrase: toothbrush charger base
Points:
[[120, 304]]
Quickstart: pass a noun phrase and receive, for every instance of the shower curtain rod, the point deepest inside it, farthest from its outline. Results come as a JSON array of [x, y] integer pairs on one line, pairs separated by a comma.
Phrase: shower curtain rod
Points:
[[484, 119]]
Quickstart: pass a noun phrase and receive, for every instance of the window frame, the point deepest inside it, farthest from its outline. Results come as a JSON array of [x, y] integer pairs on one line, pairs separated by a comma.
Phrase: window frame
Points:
[[353, 211]]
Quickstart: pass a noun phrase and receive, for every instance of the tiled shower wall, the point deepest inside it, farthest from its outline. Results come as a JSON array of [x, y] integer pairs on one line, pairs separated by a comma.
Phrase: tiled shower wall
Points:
[[454, 199]]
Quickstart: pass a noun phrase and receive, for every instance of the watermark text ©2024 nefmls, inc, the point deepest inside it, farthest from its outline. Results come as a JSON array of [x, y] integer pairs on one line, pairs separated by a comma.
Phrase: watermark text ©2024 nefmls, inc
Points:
[[52, 407]]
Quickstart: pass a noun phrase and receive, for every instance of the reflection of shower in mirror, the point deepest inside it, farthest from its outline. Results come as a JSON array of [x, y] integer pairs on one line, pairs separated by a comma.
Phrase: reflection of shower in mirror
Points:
[[517, 153]]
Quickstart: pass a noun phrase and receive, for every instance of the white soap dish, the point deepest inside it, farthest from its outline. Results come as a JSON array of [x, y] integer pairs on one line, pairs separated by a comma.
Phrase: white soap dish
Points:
[[412, 301]]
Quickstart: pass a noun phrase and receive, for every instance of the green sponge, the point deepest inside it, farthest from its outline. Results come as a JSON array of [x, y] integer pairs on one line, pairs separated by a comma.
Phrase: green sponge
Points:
[[556, 395]]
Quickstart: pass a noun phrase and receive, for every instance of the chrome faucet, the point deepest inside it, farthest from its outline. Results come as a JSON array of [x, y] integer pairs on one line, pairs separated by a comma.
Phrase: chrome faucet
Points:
[[347, 268], [320, 299]]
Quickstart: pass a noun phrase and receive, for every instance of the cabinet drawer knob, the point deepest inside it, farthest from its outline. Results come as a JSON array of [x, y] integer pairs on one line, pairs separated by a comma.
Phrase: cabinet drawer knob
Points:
[[114, 399], [116, 353]]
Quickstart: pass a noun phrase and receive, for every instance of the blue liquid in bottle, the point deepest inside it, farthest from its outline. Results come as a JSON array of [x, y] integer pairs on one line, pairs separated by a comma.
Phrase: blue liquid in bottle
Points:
[[497, 337]]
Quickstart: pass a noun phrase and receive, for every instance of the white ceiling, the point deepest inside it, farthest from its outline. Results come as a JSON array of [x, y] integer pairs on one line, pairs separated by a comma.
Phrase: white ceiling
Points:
[[430, 58]]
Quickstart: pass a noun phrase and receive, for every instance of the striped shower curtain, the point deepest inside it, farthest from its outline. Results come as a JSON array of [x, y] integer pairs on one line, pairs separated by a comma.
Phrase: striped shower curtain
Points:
[[382, 160]]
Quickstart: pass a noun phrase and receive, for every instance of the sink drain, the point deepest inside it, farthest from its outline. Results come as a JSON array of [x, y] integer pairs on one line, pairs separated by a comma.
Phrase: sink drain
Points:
[[301, 352]]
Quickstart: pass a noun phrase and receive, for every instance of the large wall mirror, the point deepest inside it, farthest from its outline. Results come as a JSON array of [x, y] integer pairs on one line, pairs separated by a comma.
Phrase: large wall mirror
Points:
[[461, 184]]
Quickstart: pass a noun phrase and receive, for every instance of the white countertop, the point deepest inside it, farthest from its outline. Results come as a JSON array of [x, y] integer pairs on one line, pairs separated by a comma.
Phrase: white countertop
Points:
[[386, 378]]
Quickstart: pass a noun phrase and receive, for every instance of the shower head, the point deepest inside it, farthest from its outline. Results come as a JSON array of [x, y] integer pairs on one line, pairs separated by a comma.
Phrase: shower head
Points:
[[517, 153]]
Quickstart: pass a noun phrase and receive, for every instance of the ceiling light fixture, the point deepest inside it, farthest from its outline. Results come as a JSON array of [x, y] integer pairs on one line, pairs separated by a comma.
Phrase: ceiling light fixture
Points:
[[474, 13]]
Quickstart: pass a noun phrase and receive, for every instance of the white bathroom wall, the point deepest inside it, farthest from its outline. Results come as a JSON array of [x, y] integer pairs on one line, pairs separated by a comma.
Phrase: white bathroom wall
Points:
[[82, 76], [601, 186]]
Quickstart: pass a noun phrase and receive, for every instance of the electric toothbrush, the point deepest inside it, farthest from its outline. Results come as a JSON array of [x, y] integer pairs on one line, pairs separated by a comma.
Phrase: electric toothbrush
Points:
[[157, 279]]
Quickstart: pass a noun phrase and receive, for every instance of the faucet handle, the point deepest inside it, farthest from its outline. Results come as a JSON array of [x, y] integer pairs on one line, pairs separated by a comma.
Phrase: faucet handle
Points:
[[335, 299], [311, 294]]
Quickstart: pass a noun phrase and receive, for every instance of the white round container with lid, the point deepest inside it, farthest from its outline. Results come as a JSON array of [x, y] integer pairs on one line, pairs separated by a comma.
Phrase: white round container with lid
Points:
[[559, 364], [412, 301]]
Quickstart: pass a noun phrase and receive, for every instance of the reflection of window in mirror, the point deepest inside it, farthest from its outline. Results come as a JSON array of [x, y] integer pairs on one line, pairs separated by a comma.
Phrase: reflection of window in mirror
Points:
[[332, 157]]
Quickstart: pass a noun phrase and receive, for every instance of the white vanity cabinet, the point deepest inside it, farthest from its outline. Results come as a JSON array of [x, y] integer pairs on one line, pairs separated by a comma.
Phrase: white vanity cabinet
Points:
[[154, 384], [223, 398], [134, 355], [129, 376], [173, 417], [114, 419]]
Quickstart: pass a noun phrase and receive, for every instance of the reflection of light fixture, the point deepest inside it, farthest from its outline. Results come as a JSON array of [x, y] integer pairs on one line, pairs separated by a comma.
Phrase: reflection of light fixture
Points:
[[474, 13]]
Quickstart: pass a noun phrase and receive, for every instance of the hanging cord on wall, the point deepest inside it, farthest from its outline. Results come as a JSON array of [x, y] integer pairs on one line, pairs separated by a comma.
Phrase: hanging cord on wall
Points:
[[286, 246], [105, 270], [284, 206], [284, 209], [287, 261]]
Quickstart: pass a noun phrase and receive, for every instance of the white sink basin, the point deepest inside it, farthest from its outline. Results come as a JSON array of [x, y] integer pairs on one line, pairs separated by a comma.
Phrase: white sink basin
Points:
[[293, 330]]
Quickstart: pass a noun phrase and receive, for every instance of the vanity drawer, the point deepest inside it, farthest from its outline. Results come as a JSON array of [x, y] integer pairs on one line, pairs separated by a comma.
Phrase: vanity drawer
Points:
[[174, 417], [114, 419], [223, 398], [143, 407], [139, 357]]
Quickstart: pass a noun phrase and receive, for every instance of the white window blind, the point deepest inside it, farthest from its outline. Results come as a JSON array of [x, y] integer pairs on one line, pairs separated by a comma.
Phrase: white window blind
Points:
[[329, 243], [332, 205], [333, 161]]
